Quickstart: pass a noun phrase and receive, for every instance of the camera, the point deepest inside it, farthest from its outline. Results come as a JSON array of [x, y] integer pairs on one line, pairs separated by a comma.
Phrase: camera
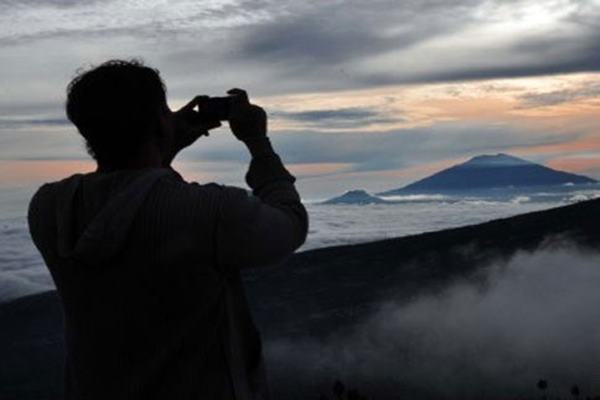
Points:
[[214, 109]]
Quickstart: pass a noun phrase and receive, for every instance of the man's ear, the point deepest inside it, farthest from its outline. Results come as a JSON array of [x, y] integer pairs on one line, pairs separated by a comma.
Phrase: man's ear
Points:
[[165, 128]]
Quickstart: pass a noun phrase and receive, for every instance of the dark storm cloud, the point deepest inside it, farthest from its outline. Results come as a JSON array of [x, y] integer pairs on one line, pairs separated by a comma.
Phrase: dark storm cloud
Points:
[[311, 47], [317, 43], [337, 118], [325, 36], [327, 115], [285, 46], [552, 55], [322, 43]]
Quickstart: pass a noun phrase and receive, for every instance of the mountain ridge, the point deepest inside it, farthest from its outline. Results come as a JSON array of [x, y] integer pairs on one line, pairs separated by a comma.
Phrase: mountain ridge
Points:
[[486, 172], [355, 196]]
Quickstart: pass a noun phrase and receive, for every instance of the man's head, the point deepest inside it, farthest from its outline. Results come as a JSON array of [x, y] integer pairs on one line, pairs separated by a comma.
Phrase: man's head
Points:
[[117, 107]]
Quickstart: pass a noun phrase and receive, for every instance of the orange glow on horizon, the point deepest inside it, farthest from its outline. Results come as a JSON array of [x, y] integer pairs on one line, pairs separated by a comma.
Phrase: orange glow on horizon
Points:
[[18, 172], [578, 165], [316, 169], [584, 145]]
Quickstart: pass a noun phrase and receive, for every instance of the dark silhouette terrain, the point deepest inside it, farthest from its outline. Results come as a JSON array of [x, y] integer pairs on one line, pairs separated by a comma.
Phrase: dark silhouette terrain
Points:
[[316, 293]]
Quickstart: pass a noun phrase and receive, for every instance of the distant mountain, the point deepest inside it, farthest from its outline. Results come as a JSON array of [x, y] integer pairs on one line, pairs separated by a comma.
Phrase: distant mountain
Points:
[[355, 197], [490, 172]]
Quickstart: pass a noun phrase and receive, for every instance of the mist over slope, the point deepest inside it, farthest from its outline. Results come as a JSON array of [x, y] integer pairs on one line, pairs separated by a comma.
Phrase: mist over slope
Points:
[[329, 288], [534, 316]]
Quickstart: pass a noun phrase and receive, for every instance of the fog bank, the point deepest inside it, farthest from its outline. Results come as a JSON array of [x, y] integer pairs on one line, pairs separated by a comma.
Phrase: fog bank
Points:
[[536, 316]]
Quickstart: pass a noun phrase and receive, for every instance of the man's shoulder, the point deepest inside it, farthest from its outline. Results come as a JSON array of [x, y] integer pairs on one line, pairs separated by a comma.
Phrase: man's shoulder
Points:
[[48, 190], [176, 181], [205, 199]]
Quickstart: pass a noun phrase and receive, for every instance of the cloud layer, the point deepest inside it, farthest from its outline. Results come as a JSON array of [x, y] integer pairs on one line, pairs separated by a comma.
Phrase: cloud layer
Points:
[[313, 46]]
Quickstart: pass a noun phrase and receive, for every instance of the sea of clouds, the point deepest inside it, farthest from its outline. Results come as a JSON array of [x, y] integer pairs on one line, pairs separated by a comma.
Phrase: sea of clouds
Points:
[[409, 214], [22, 270]]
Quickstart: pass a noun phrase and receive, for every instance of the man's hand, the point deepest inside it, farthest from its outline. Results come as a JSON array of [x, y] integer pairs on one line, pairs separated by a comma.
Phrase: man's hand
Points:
[[247, 121], [187, 127]]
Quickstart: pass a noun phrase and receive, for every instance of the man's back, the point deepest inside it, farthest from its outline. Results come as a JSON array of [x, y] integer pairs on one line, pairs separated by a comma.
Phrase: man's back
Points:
[[147, 267]]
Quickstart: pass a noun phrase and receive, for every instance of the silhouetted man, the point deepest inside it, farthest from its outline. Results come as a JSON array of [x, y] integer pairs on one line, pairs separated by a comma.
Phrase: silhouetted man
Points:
[[147, 265]]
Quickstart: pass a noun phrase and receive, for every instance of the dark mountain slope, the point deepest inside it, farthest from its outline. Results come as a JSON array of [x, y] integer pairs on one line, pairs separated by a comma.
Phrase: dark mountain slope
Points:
[[332, 287], [489, 172]]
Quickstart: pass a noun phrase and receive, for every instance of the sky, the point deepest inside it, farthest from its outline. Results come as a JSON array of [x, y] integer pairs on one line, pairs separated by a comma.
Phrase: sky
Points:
[[370, 95]]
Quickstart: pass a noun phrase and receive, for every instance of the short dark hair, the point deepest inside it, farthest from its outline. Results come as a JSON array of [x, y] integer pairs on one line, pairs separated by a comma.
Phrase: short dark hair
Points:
[[116, 107]]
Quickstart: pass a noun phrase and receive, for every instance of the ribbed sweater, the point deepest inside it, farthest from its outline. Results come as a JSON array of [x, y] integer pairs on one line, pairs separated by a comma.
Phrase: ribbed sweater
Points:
[[147, 267]]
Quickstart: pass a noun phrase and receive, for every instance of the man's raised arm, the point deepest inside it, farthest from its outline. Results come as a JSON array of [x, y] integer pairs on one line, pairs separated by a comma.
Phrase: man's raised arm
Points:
[[268, 226]]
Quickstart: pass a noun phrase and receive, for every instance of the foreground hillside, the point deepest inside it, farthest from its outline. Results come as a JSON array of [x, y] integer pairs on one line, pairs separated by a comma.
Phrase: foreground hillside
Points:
[[309, 291], [316, 293]]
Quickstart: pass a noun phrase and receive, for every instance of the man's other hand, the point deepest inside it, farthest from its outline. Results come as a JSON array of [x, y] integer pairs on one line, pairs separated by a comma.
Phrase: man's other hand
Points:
[[183, 127], [247, 121]]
